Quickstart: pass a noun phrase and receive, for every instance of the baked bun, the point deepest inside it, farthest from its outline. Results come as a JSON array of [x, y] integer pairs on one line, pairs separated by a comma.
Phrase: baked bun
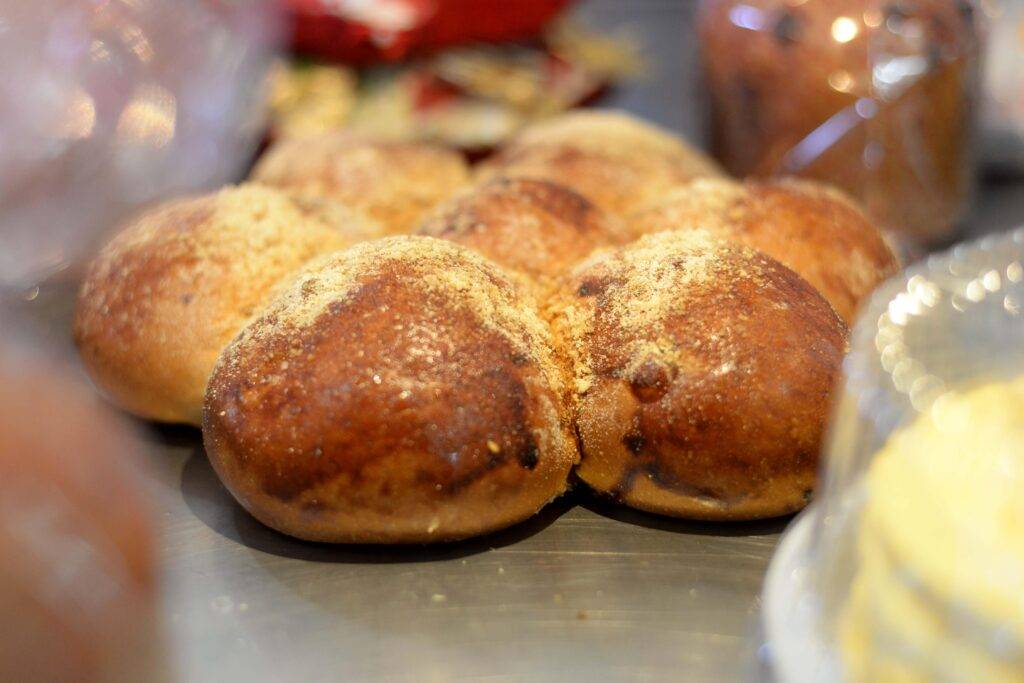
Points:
[[78, 534], [534, 227], [394, 183], [811, 228], [400, 391], [614, 160], [703, 376], [607, 128], [354, 225], [166, 295]]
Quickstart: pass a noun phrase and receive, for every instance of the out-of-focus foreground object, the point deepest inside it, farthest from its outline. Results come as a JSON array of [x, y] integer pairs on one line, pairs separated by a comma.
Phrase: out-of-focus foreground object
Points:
[[77, 534], [908, 564], [107, 105], [876, 97]]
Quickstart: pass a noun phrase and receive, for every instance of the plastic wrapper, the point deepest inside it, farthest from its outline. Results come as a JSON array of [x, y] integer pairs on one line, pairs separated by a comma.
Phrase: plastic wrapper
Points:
[[907, 564], [108, 105], [1003, 106], [875, 96], [357, 31]]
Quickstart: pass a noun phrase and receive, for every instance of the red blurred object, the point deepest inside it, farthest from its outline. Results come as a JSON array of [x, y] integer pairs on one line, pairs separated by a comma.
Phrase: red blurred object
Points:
[[363, 31]]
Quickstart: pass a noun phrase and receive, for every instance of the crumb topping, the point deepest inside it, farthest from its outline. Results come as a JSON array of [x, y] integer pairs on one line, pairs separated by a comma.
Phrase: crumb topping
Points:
[[536, 227], [623, 302], [615, 133], [392, 182], [246, 235], [456, 274]]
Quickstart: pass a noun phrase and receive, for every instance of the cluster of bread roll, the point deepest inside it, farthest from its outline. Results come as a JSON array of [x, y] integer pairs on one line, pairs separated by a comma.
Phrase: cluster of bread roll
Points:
[[597, 297]]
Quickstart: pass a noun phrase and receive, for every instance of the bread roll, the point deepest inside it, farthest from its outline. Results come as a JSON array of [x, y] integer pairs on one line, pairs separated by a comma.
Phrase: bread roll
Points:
[[77, 534], [394, 183], [400, 391], [534, 227], [167, 294], [354, 225], [610, 129], [614, 160], [703, 376], [811, 228]]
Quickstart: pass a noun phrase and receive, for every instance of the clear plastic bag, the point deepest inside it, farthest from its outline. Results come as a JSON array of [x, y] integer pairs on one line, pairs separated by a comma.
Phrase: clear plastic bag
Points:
[[932, 356], [108, 105], [1003, 106], [875, 96]]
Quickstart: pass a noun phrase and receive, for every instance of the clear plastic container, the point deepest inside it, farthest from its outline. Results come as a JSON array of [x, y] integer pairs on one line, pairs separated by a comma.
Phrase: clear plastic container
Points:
[[930, 344], [1003, 107], [105, 106], [875, 96]]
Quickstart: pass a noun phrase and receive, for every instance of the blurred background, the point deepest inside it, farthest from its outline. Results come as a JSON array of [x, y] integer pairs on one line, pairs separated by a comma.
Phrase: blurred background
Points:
[[135, 100]]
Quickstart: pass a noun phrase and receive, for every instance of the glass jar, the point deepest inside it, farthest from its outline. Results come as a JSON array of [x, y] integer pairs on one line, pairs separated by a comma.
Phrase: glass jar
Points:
[[875, 96]]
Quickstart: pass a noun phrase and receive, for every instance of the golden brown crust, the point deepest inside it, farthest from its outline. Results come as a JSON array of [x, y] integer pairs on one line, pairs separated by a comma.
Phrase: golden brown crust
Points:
[[166, 295], [614, 160], [703, 375], [535, 227], [811, 228], [612, 131], [394, 183], [354, 224], [401, 391]]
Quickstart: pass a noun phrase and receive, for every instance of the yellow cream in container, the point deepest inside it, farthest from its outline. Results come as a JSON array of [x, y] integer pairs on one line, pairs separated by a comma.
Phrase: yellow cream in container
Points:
[[939, 591]]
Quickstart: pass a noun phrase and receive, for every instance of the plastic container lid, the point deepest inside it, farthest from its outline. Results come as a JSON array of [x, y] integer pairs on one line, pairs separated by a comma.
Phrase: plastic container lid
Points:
[[934, 344]]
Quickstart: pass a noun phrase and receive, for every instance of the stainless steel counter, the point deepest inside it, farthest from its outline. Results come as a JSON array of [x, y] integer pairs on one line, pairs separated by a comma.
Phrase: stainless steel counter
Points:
[[584, 591]]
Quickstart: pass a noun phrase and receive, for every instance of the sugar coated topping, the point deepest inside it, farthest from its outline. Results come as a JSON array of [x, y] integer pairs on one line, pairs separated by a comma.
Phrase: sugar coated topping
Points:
[[643, 287]]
